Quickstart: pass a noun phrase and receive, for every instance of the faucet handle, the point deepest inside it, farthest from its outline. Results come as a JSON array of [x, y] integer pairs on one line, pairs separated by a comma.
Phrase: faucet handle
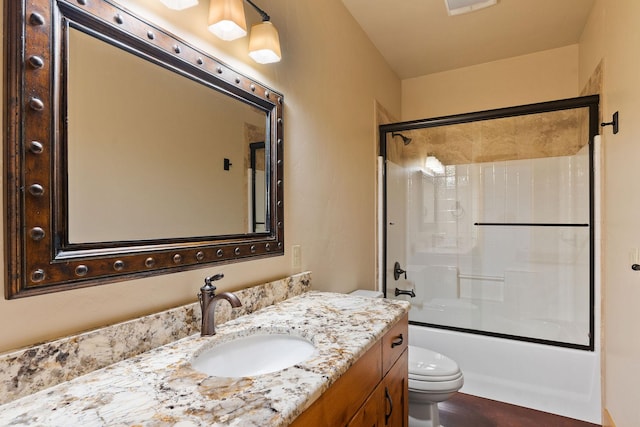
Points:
[[208, 287], [215, 277]]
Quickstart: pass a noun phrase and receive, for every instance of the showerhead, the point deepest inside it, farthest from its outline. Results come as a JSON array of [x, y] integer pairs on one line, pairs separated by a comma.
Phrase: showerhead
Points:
[[405, 139]]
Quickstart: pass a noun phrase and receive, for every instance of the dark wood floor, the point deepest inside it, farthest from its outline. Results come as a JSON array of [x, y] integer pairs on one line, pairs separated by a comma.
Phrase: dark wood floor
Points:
[[464, 410]]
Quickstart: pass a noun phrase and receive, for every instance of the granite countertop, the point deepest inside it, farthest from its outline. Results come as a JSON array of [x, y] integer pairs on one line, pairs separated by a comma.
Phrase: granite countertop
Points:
[[160, 387]]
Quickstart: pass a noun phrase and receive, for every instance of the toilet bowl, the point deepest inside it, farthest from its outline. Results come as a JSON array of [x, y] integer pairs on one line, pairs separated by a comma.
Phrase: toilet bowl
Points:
[[433, 378]]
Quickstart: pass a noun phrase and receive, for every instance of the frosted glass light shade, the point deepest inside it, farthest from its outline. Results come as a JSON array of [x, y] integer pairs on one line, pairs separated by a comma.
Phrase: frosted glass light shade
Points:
[[264, 43], [226, 19], [434, 165], [179, 4]]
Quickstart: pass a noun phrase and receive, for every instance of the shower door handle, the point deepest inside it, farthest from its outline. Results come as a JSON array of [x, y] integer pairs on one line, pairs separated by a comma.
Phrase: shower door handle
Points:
[[398, 271]]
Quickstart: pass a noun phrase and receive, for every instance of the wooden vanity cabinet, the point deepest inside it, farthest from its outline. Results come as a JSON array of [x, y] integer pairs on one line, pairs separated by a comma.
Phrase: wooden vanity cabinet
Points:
[[395, 391], [372, 393]]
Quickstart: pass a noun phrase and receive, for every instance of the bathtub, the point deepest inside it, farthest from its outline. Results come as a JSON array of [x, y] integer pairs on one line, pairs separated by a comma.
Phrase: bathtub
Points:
[[552, 379]]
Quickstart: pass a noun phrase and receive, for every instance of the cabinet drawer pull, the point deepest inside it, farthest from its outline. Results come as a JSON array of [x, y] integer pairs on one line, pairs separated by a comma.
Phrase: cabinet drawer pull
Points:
[[398, 341], [388, 397]]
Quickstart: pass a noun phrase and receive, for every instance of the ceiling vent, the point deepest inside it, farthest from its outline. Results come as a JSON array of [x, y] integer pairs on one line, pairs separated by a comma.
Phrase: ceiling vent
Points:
[[458, 7]]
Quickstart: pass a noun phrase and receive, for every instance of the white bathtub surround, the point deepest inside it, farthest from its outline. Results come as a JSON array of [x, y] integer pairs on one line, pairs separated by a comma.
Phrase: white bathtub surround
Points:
[[29, 370], [160, 387], [558, 380], [516, 279]]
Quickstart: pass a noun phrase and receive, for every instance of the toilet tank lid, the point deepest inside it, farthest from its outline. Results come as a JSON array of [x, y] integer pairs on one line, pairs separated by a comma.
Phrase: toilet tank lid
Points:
[[366, 293]]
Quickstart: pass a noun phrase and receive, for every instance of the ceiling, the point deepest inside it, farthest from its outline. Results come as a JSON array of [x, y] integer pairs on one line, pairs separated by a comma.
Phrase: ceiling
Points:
[[418, 37]]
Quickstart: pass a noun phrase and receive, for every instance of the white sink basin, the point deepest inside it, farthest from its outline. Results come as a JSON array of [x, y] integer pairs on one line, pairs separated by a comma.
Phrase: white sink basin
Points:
[[253, 355]]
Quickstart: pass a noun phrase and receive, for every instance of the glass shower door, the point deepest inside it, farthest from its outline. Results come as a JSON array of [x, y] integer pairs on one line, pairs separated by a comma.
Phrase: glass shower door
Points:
[[489, 226]]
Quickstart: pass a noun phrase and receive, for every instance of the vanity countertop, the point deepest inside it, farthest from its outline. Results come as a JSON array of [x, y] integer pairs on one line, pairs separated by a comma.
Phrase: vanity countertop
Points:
[[159, 387]]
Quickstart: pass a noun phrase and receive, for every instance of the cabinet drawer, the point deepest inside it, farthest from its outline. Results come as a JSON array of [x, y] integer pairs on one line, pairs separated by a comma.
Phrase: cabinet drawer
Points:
[[394, 343]]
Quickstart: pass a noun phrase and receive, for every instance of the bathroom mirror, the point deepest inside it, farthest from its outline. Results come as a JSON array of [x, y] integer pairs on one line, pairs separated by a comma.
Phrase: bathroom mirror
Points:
[[130, 153]]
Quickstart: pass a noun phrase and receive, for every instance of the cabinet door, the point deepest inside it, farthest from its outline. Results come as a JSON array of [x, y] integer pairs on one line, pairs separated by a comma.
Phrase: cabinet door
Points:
[[395, 387], [338, 404], [370, 414]]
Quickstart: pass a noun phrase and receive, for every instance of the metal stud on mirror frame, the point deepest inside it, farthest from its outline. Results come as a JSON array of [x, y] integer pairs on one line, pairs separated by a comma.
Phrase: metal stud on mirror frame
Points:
[[36, 61], [36, 147], [36, 104], [37, 233], [36, 19], [38, 275], [82, 270], [36, 190]]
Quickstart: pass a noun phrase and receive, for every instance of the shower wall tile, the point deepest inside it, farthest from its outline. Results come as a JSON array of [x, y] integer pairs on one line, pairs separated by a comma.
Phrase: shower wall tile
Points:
[[437, 281], [479, 289]]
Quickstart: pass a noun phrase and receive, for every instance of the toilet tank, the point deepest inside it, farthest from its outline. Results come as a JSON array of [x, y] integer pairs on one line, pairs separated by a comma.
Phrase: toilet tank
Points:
[[365, 293]]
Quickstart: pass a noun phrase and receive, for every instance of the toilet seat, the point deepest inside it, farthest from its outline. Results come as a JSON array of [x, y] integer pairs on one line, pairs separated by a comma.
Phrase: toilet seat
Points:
[[430, 371], [435, 379], [431, 365]]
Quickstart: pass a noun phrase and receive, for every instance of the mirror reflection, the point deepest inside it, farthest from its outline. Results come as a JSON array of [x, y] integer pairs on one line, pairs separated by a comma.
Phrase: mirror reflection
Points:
[[152, 154], [258, 200]]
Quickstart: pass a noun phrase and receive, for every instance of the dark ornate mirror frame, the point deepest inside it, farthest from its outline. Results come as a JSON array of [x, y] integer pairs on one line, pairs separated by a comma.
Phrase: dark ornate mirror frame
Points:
[[39, 257]]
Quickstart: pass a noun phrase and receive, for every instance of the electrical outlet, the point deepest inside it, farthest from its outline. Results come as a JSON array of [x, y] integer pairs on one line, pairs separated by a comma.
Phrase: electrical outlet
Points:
[[296, 259]]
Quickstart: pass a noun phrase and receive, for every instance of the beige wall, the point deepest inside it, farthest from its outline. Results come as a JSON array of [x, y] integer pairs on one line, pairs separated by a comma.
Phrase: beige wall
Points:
[[612, 35], [538, 77], [331, 78]]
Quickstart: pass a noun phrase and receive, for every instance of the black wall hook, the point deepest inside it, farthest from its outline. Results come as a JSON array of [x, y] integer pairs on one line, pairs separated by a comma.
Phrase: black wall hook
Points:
[[613, 122]]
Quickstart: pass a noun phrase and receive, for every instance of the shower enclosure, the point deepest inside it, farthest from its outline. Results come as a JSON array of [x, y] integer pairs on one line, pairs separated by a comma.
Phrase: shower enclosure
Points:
[[489, 227]]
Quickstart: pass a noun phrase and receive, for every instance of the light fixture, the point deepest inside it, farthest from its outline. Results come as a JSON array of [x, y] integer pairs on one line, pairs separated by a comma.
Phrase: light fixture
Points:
[[458, 7], [226, 19], [264, 42], [434, 165], [179, 4]]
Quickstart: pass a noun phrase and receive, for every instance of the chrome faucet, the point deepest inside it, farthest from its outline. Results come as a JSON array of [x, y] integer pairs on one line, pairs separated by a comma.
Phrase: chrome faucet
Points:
[[208, 300]]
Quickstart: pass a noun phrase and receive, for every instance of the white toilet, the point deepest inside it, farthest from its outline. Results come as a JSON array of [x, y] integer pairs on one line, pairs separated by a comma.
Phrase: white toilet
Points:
[[433, 378]]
